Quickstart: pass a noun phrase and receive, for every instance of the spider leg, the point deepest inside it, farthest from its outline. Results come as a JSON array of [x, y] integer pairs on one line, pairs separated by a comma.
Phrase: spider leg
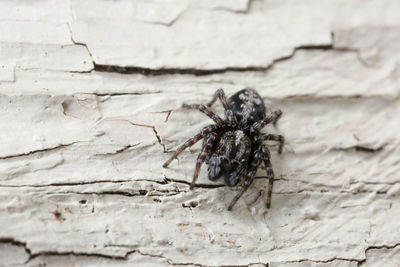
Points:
[[274, 137], [212, 101], [270, 173], [255, 162], [221, 95], [276, 120], [270, 118], [206, 110], [246, 185], [205, 131], [206, 149]]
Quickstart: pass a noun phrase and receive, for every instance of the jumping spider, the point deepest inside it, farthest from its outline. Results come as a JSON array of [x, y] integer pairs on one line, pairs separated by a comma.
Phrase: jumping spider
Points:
[[233, 147]]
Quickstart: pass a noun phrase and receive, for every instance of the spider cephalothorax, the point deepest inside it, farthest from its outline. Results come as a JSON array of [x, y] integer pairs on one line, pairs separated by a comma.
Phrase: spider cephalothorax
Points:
[[233, 147]]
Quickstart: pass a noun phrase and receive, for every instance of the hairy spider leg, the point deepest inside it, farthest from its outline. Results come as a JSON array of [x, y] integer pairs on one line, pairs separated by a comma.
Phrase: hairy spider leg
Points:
[[255, 163], [270, 118], [274, 137], [206, 110], [270, 173], [276, 120], [205, 150], [206, 130], [221, 95], [215, 96]]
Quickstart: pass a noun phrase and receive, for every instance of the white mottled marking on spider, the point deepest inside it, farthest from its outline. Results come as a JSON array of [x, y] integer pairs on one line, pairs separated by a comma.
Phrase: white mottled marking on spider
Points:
[[243, 96]]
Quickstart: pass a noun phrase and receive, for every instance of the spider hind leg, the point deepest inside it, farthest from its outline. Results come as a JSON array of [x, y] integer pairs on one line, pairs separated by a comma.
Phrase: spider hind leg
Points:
[[228, 112], [206, 110], [273, 117]]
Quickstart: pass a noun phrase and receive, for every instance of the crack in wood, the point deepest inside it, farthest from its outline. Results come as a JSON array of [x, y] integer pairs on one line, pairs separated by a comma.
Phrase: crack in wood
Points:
[[360, 148], [125, 93], [12, 241], [39, 150], [118, 151], [158, 137], [202, 72], [198, 185]]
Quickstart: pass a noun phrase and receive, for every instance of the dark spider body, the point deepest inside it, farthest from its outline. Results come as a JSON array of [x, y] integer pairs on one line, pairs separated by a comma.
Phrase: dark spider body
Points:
[[230, 158], [248, 107], [233, 148]]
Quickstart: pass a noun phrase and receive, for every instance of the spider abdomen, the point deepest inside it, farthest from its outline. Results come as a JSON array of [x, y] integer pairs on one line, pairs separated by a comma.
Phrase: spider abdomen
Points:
[[248, 106]]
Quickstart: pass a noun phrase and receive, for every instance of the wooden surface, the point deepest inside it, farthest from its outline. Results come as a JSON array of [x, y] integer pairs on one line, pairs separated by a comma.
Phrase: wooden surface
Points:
[[90, 96]]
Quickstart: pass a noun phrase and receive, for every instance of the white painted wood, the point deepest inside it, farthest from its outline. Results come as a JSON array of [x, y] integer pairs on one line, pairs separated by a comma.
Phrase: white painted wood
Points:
[[81, 150]]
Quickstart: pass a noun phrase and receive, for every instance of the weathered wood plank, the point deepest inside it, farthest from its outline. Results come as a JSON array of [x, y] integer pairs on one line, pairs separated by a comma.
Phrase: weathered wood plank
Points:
[[83, 138]]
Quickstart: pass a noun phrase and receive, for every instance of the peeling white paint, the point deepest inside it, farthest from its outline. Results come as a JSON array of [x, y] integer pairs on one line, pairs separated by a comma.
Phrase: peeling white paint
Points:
[[81, 181]]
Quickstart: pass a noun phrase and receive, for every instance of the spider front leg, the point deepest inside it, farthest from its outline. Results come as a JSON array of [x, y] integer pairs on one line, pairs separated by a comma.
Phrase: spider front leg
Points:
[[274, 137], [206, 149], [229, 114], [205, 131], [273, 117], [246, 186], [255, 163], [206, 110], [270, 173]]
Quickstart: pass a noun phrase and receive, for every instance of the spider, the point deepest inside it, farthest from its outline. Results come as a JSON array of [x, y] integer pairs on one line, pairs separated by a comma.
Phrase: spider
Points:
[[233, 148]]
